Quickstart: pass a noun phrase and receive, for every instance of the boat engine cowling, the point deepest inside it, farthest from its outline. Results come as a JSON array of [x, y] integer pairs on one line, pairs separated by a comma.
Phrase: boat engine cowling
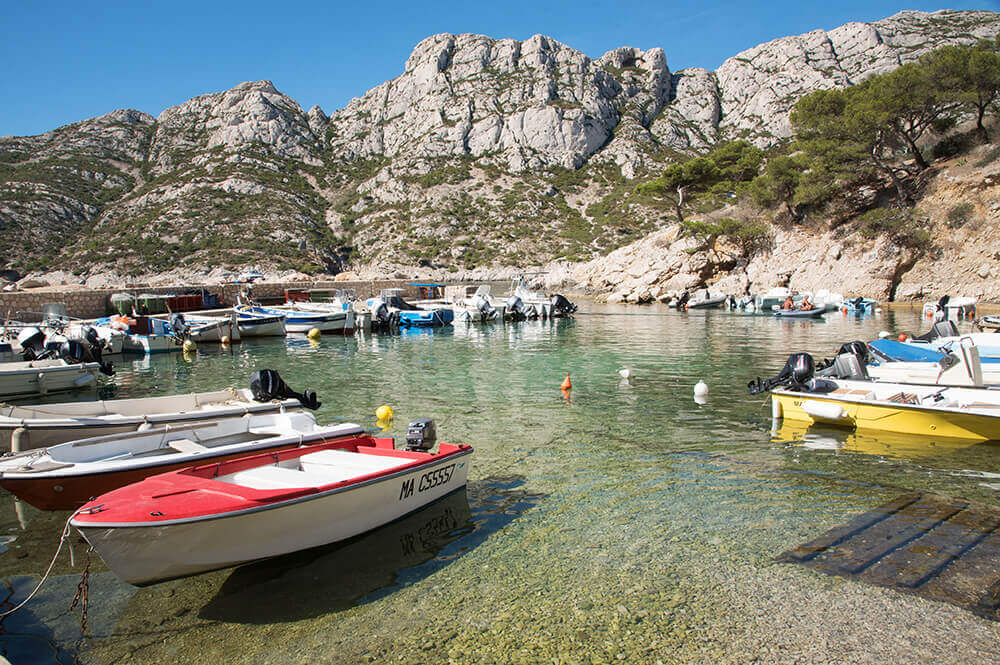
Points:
[[178, 324], [485, 308], [516, 308], [797, 374], [561, 304], [32, 342], [421, 434], [267, 385]]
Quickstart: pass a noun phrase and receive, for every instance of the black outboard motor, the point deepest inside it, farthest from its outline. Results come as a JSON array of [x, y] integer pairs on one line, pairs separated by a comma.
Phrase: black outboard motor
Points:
[[384, 319], [561, 304], [267, 384], [944, 328], [683, 300], [75, 352], [421, 435], [797, 374], [516, 308]]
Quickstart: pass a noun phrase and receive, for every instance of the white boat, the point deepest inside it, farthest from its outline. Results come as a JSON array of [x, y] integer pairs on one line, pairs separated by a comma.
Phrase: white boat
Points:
[[201, 328], [523, 302], [65, 476], [947, 307], [48, 424], [219, 515], [473, 303], [41, 377], [255, 324], [299, 320], [766, 302]]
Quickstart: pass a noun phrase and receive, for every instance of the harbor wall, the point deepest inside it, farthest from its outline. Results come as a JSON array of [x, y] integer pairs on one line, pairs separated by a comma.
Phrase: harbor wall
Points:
[[93, 303]]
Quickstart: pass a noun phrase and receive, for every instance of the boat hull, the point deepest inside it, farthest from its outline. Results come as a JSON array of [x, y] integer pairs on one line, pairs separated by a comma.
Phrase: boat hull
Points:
[[26, 379], [143, 554], [261, 326], [900, 418]]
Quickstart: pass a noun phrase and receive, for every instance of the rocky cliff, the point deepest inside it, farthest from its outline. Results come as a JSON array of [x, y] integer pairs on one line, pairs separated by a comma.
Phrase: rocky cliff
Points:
[[482, 153]]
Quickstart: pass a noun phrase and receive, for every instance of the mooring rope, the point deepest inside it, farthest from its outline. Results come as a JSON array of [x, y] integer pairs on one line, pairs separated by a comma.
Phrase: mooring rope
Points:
[[62, 539]]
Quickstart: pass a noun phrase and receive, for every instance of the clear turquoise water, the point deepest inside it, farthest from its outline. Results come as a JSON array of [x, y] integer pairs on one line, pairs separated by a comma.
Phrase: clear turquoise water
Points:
[[605, 527]]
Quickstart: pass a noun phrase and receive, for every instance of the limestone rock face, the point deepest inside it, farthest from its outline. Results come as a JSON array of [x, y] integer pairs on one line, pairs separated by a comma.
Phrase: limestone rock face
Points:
[[760, 86], [527, 104]]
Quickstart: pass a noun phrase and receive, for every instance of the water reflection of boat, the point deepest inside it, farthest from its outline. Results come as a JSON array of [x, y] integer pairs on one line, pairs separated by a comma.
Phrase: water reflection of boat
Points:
[[882, 444], [335, 577]]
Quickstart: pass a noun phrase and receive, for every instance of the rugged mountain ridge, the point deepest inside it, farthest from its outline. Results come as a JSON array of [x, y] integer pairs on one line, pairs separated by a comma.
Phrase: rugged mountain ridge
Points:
[[483, 152]]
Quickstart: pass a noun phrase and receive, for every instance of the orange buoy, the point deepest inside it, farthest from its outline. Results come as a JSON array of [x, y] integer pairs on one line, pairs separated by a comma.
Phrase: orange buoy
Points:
[[566, 384], [902, 337]]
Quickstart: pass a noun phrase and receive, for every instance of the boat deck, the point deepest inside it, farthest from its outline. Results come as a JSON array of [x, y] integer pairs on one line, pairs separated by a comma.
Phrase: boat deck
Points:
[[324, 467], [937, 547]]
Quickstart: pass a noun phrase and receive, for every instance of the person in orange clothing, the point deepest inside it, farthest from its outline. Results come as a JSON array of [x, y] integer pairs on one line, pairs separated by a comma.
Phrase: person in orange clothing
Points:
[[806, 303], [789, 303]]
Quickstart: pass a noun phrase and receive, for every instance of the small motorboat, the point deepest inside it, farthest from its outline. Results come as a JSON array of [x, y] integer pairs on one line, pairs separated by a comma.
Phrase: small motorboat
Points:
[[211, 329], [390, 303], [299, 320], [29, 427], [705, 300], [859, 305], [65, 476], [951, 308], [800, 313], [224, 514], [41, 377], [255, 324], [958, 413]]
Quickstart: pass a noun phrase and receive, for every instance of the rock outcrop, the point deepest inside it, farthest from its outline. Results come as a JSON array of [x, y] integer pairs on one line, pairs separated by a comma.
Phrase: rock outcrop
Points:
[[482, 153]]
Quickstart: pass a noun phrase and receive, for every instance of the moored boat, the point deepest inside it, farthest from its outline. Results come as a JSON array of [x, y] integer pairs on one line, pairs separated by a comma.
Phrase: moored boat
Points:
[[298, 320], [65, 476], [800, 313], [255, 324], [41, 377], [219, 515], [49, 424], [954, 412]]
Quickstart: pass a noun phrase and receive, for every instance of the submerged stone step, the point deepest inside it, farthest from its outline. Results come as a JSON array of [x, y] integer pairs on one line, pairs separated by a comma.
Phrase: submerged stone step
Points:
[[937, 547]]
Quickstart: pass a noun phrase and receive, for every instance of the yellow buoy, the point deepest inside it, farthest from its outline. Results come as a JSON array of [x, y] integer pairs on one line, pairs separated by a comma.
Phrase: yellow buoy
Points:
[[189, 345], [384, 412], [384, 425], [313, 333]]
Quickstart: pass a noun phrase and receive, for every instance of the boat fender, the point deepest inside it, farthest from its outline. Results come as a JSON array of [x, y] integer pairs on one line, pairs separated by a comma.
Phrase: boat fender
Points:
[[824, 410]]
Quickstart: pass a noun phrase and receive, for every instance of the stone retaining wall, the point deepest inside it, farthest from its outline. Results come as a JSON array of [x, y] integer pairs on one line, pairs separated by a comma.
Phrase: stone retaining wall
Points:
[[88, 304]]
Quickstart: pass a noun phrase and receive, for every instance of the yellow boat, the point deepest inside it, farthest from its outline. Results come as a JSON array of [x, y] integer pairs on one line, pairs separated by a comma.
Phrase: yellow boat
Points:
[[955, 413]]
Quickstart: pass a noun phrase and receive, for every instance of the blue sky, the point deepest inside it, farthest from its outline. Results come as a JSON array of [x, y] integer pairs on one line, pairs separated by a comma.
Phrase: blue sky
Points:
[[71, 60]]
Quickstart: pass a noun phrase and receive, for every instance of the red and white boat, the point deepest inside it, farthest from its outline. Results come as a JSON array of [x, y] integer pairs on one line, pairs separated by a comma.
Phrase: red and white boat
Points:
[[66, 476], [224, 514]]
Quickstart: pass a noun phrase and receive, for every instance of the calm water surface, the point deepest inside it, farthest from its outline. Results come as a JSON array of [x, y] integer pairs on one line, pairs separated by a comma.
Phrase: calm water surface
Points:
[[601, 528]]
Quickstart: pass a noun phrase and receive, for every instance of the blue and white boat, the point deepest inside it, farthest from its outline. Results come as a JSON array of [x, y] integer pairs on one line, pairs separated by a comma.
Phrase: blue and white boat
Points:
[[859, 305], [255, 324], [407, 314], [145, 334], [301, 320]]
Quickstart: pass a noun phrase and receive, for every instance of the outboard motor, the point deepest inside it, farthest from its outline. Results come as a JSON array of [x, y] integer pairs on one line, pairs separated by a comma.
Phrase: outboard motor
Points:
[[797, 374], [421, 435], [179, 325], [75, 352], [944, 328], [383, 319], [561, 304], [488, 311], [267, 384], [516, 308], [683, 300], [850, 363], [32, 342]]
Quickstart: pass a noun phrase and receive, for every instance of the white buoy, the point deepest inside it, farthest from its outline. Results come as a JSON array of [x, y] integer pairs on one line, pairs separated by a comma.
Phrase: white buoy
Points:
[[884, 334], [625, 373], [700, 389]]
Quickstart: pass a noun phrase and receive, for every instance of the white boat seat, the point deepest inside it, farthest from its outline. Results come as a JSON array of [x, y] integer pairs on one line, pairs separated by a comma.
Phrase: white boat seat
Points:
[[345, 464], [274, 477], [186, 446]]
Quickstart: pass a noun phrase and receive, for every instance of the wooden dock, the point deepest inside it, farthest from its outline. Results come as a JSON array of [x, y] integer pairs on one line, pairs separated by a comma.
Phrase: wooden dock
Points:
[[937, 547]]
